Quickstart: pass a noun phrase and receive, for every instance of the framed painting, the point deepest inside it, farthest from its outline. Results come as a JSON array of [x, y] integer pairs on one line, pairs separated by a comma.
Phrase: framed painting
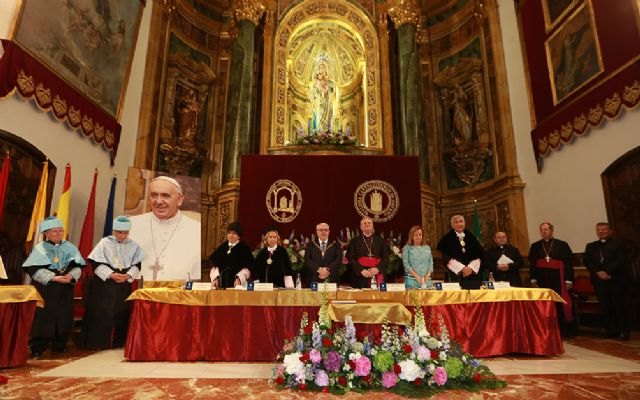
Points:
[[88, 43], [556, 10], [573, 53]]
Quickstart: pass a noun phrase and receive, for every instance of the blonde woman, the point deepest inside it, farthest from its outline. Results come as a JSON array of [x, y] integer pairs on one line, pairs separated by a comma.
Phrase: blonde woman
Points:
[[272, 263], [417, 259]]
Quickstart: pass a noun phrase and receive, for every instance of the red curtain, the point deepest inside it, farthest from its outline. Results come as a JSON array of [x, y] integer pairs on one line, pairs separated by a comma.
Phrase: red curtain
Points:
[[15, 327]]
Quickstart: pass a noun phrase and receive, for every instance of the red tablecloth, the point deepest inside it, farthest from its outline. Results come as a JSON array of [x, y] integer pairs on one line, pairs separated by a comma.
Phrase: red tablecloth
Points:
[[17, 308], [177, 332]]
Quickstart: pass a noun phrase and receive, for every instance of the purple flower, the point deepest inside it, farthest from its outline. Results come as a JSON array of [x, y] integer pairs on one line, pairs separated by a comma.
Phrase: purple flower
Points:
[[389, 379], [332, 361], [440, 376], [322, 379], [363, 366], [315, 356]]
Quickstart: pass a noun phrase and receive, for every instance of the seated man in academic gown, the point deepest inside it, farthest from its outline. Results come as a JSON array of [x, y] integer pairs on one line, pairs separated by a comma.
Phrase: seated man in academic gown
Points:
[[54, 265], [322, 257], [504, 260], [368, 256], [462, 254], [232, 260], [117, 260]]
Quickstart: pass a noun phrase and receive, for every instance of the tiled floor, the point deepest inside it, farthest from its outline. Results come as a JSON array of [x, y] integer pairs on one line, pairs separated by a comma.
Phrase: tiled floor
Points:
[[591, 368]]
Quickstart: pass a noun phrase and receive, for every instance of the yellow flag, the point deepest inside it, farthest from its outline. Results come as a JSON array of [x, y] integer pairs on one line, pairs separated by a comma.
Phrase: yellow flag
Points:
[[38, 209], [65, 201]]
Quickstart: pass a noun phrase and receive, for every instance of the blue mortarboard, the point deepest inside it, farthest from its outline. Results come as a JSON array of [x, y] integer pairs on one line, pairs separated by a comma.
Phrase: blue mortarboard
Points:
[[50, 223], [122, 223]]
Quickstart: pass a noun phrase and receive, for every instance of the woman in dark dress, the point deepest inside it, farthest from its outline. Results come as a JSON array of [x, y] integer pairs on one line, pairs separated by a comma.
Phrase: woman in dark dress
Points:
[[272, 263]]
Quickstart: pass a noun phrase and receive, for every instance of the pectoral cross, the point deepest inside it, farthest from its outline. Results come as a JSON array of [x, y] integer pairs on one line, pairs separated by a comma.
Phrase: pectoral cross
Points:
[[156, 267], [547, 258]]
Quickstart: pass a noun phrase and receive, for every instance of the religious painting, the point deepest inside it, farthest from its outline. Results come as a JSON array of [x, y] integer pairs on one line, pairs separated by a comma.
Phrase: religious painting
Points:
[[573, 54], [88, 43], [556, 10]]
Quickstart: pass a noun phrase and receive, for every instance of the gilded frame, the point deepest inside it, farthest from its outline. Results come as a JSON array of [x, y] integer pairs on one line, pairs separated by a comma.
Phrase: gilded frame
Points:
[[555, 10], [575, 44], [89, 45]]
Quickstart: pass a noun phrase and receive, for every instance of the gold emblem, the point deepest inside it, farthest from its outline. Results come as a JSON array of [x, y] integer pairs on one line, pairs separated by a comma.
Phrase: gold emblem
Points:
[[284, 200], [376, 199]]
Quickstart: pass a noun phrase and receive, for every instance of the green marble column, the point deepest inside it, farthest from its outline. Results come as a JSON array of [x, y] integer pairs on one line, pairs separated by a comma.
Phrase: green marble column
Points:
[[237, 134], [411, 113]]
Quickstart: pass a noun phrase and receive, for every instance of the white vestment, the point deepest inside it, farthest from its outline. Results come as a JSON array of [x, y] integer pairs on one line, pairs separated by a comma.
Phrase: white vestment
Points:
[[174, 243]]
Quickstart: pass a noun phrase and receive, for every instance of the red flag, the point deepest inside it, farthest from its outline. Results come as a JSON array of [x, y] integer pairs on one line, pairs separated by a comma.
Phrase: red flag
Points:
[[85, 245], [4, 181]]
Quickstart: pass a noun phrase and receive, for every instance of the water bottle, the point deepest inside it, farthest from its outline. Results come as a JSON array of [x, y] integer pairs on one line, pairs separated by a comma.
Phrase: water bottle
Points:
[[374, 283], [298, 282], [491, 279]]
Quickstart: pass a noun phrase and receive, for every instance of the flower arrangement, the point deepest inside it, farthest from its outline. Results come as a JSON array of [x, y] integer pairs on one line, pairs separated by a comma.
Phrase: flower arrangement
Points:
[[315, 137], [411, 363]]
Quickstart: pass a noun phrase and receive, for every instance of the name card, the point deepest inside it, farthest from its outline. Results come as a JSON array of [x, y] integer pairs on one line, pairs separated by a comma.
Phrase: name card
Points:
[[395, 287], [323, 287], [502, 285], [201, 286], [263, 287], [447, 286]]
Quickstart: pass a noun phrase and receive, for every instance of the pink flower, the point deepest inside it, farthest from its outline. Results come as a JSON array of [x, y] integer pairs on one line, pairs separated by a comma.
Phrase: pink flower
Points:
[[363, 366], [389, 379], [440, 376], [315, 356]]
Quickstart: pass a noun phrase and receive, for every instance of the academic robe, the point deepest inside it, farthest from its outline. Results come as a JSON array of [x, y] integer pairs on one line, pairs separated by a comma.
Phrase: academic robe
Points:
[[314, 259], [512, 275], [451, 248], [230, 262], [358, 248], [55, 320], [106, 319], [610, 256], [274, 272]]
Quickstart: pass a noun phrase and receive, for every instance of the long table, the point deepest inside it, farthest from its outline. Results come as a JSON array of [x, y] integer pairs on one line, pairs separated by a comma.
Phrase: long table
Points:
[[17, 308], [170, 324]]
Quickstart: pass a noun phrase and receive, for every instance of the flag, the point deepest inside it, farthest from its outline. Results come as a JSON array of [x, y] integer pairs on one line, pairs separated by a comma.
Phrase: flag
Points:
[[65, 201], [39, 206], [477, 232], [85, 245], [108, 219], [4, 181]]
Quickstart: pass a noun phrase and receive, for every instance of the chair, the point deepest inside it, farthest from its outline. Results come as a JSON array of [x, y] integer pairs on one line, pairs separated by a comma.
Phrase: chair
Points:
[[587, 305]]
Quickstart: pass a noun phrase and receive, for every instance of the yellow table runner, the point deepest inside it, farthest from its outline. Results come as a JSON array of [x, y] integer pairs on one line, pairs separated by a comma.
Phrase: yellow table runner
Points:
[[20, 294], [370, 313]]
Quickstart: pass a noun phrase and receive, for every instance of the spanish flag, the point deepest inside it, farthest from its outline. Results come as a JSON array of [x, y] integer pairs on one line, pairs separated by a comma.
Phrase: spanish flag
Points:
[[39, 209], [65, 201]]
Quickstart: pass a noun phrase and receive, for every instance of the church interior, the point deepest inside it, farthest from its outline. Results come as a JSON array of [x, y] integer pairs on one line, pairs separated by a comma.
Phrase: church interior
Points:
[[509, 112]]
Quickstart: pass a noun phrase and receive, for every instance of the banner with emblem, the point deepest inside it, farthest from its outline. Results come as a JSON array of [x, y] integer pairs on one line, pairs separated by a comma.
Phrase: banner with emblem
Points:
[[298, 192]]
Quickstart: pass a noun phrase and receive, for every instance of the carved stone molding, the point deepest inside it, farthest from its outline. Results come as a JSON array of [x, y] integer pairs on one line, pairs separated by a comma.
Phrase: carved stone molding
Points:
[[249, 10], [405, 12]]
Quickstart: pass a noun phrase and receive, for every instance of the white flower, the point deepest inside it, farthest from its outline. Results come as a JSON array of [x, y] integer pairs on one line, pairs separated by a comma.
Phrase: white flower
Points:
[[373, 352], [293, 365], [423, 333], [432, 368], [410, 371], [285, 242], [432, 343], [346, 367], [294, 259], [443, 355], [396, 250], [464, 359]]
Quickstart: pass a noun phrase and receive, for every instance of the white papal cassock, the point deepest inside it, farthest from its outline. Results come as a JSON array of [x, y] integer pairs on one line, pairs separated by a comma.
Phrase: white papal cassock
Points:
[[171, 247]]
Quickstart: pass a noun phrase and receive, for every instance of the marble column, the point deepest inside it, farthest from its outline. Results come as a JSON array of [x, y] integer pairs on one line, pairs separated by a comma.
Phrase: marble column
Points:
[[237, 135], [405, 15]]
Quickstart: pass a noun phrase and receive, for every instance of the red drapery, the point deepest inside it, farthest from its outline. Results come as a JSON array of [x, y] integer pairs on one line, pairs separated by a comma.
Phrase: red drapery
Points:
[[21, 72], [15, 326], [167, 332]]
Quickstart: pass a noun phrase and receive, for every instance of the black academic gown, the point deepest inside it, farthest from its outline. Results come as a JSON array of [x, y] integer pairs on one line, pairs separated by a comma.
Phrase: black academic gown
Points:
[[610, 256], [313, 260], [451, 248], [358, 248], [512, 275], [274, 272], [231, 263]]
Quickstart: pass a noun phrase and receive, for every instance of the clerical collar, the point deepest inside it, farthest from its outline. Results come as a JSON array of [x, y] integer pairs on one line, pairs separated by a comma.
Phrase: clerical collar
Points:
[[604, 240], [55, 244], [115, 240], [367, 236], [169, 221], [272, 249]]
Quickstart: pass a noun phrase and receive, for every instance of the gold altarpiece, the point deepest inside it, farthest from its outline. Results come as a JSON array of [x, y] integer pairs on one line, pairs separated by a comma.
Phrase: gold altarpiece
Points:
[[349, 46]]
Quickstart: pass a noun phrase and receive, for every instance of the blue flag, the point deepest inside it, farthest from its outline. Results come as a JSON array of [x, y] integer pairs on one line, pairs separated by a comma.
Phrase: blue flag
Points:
[[108, 219]]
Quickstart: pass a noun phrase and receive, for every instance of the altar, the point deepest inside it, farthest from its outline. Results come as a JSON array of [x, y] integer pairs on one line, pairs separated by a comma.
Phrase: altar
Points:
[[228, 325]]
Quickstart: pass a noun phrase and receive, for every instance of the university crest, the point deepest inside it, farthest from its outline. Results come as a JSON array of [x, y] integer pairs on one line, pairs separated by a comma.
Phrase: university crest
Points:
[[376, 199], [284, 200]]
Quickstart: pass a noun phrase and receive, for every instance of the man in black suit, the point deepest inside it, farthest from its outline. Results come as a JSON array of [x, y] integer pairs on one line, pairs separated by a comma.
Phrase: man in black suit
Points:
[[504, 260], [368, 256], [322, 257], [463, 254], [606, 260]]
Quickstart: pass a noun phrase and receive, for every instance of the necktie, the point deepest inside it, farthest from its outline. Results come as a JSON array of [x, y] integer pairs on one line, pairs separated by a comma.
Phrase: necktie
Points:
[[323, 246]]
